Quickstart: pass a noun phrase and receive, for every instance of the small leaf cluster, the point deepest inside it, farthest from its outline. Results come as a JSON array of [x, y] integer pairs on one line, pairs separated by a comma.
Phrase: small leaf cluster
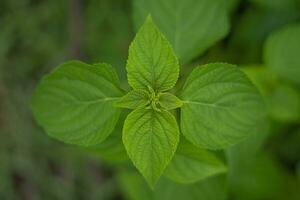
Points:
[[217, 107]]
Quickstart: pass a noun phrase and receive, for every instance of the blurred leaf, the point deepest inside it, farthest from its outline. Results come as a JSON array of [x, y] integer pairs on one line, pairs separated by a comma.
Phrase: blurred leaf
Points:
[[232, 5], [107, 32], [275, 4], [253, 177], [284, 104], [213, 188], [112, 149], [134, 187], [191, 164], [251, 29], [282, 52], [253, 144], [190, 33], [298, 172], [262, 77], [282, 100], [289, 148]]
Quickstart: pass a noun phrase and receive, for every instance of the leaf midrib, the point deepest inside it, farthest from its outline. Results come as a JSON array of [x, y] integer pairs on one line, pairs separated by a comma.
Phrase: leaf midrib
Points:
[[207, 104], [96, 101]]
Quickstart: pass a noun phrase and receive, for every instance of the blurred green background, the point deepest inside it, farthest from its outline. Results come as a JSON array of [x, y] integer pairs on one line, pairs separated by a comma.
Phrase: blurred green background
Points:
[[37, 35]]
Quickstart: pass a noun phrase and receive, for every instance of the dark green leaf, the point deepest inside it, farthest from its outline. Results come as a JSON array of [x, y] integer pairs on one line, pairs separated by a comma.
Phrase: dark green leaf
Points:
[[191, 26]]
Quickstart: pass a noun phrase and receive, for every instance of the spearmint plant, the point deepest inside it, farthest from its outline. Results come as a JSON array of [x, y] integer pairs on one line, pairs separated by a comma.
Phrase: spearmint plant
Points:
[[80, 104]]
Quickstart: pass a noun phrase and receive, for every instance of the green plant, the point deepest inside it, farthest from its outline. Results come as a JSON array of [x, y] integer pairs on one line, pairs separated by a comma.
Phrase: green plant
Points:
[[217, 107]]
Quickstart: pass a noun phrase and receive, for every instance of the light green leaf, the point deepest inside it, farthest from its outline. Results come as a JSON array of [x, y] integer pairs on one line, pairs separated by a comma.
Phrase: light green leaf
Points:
[[221, 106], [134, 99], [191, 164], [191, 26], [281, 53], [150, 138], [169, 101], [74, 102], [151, 61]]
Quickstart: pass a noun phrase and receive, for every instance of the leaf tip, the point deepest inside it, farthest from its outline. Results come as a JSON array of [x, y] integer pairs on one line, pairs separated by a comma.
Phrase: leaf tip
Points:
[[152, 182], [149, 18]]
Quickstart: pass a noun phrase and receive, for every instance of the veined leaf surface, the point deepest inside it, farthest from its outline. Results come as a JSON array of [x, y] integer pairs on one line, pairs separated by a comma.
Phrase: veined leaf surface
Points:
[[221, 106], [151, 61], [74, 102], [150, 138]]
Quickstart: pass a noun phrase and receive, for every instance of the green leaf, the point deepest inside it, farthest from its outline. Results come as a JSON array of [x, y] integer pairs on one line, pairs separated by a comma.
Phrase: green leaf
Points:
[[282, 53], [279, 5], [134, 99], [151, 61], [262, 77], [254, 177], [191, 164], [112, 149], [74, 102], [150, 138], [282, 99], [191, 26], [221, 106], [108, 23], [284, 103], [133, 186], [252, 27], [169, 101], [232, 5], [213, 188]]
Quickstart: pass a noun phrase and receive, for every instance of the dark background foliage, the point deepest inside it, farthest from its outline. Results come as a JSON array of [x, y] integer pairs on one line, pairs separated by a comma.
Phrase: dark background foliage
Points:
[[37, 35]]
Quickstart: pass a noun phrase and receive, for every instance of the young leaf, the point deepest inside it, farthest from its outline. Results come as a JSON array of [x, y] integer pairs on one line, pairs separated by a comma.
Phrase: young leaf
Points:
[[74, 102], [190, 26], [191, 164], [169, 101], [282, 53], [151, 139], [221, 106], [134, 99], [151, 61]]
